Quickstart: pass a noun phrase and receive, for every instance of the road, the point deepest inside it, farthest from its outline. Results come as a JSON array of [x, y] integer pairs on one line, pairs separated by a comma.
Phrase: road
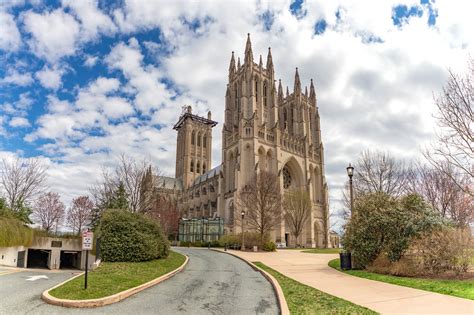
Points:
[[211, 283]]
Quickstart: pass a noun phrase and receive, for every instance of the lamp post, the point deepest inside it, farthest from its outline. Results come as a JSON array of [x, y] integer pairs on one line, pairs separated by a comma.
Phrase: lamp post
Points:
[[350, 173], [243, 215]]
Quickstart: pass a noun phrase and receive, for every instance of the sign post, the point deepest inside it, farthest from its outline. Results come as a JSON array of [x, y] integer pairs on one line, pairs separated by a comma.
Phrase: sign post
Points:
[[87, 238]]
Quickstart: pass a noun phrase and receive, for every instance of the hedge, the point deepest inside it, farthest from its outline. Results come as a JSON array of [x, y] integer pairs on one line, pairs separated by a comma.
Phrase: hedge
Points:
[[127, 236], [13, 232]]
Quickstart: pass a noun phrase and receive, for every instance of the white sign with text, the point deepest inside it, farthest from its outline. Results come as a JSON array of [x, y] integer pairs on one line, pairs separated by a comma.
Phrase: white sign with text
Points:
[[87, 238]]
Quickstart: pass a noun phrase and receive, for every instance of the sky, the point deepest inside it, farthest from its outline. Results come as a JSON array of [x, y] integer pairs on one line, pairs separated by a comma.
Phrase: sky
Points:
[[82, 82]]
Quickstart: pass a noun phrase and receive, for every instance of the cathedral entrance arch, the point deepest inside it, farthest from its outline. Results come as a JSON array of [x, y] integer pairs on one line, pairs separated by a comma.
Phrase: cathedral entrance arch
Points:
[[292, 175]]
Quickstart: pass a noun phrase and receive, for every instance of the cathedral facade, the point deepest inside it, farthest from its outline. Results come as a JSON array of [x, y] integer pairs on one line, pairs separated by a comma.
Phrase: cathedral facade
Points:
[[265, 128]]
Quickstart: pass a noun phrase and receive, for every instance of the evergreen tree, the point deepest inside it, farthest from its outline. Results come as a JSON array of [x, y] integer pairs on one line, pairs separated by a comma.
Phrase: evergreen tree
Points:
[[119, 199]]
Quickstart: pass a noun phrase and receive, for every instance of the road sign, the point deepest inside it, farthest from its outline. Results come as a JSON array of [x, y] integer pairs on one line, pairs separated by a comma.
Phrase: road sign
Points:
[[87, 238]]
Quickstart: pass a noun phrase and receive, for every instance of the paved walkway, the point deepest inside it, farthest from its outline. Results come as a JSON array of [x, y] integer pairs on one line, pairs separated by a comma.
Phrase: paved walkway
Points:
[[312, 269]]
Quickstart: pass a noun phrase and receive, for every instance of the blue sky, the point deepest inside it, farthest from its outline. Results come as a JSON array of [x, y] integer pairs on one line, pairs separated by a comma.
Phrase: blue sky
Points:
[[84, 81]]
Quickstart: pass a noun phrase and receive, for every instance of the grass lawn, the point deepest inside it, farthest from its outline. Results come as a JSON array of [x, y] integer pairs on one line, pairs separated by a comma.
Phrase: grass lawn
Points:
[[459, 288], [114, 277], [303, 299], [323, 251]]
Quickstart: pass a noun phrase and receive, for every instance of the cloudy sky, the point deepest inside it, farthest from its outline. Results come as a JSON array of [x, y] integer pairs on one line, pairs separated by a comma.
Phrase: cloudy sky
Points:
[[83, 81]]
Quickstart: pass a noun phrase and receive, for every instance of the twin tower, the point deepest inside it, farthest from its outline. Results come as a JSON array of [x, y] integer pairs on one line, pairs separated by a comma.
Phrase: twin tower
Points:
[[265, 128]]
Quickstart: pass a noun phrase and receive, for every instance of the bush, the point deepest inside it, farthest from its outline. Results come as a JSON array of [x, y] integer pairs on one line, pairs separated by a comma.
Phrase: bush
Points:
[[13, 232], [132, 237], [230, 240], [385, 225], [269, 246], [446, 249]]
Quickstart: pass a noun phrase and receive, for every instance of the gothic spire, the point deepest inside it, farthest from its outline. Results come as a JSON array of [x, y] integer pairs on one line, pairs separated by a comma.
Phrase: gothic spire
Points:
[[312, 93], [306, 91], [297, 87], [238, 63], [280, 90], [260, 64], [232, 65], [270, 61], [287, 91], [248, 51]]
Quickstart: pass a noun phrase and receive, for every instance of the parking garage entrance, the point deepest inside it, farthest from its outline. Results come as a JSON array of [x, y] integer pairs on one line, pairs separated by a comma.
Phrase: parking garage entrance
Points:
[[38, 258], [70, 260]]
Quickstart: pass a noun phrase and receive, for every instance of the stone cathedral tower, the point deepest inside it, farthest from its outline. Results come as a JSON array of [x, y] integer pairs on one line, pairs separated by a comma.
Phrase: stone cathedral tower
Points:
[[194, 146], [265, 128], [269, 129]]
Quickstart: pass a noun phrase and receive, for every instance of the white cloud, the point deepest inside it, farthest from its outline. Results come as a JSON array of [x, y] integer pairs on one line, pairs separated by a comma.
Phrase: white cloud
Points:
[[150, 93], [93, 21], [19, 122], [14, 77], [54, 34], [10, 39], [49, 77], [91, 61]]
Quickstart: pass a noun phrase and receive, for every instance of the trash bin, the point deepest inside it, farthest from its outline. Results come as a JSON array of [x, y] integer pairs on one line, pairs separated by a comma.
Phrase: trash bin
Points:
[[346, 263]]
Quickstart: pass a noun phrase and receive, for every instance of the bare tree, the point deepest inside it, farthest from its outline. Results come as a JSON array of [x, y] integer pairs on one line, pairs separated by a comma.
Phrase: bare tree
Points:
[[79, 215], [22, 181], [261, 201], [377, 171], [48, 211], [297, 209], [137, 179], [443, 193], [455, 141], [165, 210]]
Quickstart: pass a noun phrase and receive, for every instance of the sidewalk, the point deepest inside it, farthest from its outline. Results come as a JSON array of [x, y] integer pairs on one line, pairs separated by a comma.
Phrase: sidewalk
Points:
[[312, 270]]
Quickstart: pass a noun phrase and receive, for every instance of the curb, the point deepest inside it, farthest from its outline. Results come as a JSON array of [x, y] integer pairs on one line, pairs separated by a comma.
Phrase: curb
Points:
[[284, 310], [117, 297]]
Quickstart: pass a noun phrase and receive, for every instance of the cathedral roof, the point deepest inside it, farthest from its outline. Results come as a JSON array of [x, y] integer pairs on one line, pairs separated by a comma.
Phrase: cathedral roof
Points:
[[209, 174], [169, 183]]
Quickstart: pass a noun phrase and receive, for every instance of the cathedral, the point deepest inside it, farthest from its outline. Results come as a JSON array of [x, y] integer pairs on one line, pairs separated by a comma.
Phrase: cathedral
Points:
[[266, 128]]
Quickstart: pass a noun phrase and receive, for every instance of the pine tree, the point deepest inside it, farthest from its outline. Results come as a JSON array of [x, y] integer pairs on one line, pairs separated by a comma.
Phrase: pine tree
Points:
[[119, 199]]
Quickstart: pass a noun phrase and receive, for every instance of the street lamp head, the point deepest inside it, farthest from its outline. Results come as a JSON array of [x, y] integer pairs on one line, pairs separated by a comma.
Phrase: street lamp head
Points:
[[242, 213], [350, 170]]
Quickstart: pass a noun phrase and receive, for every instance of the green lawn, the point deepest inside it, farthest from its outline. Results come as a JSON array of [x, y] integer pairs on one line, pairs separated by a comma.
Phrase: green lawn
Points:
[[459, 288], [303, 299], [114, 277], [323, 251]]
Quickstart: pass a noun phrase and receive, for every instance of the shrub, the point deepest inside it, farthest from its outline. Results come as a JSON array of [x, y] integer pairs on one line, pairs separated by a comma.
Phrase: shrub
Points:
[[129, 236], [445, 249], [229, 239], [13, 232], [385, 225], [269, 246]]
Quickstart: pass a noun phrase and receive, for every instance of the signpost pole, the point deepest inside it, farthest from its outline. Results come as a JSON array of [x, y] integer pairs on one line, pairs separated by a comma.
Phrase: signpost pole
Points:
[[87, 267], [87, 239]]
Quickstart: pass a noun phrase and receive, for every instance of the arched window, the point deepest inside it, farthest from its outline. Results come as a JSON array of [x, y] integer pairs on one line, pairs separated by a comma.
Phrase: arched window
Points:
[[193, 136], [211, 188], [199, 140], [236, 95], [204, 141], [204, 191], [265, 94], [203, 167], [198, 168], [256, 90], [285, 118], [192, 166]]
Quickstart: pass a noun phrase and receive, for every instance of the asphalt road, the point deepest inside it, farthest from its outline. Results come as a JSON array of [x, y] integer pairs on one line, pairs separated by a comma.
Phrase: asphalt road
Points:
[[18, 295], [211, 283]]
